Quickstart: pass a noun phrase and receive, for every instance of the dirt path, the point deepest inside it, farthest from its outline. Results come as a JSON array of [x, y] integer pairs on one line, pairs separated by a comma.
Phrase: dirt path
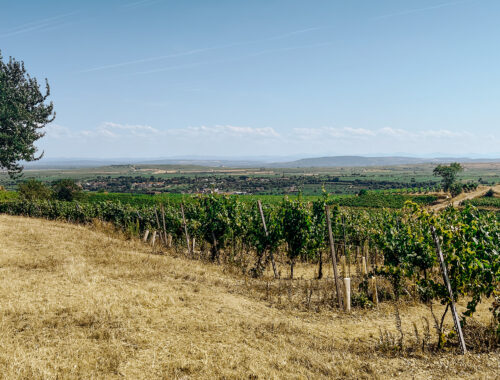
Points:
[[479, 192]]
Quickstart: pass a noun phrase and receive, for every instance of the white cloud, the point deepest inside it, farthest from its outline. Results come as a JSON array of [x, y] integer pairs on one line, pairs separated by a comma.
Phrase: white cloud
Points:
[[57, 131], [106, 129], [224, 131], [111, 139], [331, 132], [348, 133]]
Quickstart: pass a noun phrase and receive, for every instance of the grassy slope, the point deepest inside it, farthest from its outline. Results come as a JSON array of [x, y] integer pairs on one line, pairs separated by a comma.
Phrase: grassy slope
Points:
[[77, 303]]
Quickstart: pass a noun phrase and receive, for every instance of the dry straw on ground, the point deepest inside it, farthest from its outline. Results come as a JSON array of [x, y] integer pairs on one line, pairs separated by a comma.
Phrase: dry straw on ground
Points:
[[79, 303]]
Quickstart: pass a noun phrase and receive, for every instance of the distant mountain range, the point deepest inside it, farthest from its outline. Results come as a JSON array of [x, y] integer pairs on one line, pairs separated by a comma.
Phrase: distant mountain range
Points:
[[319, 162]]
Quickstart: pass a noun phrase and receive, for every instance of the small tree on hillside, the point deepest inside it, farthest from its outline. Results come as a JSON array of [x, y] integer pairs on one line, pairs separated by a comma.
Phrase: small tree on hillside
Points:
[[23, 113], [449, 173], [66, 190], [33, 189]]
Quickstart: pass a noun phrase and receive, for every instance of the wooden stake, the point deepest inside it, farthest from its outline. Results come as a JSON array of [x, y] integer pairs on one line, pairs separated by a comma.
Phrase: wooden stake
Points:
[[373, 286], [347, 294], [454, 313], [193, 240], [146, 235], [348, 258], [185, 229], [271, 254], [153, 240], [158, 223], [164, 226], [332, 254], [343, 266], [169, 243], [369, 261], [363, 266], [357, 260]]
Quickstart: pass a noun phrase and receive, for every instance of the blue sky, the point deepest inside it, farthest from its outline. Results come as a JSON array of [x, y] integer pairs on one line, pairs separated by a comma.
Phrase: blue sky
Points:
[[159, 78]]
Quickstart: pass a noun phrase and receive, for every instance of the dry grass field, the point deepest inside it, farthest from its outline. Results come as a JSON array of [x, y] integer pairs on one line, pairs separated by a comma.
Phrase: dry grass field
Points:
[[80, 303]]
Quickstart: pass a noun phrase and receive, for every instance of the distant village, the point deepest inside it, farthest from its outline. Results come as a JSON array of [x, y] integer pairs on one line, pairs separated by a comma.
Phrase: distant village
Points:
[[238, 184]]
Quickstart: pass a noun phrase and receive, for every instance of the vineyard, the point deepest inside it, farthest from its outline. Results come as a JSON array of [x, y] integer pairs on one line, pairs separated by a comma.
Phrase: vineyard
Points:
[[370, 199], [485, 202], [388, 254]]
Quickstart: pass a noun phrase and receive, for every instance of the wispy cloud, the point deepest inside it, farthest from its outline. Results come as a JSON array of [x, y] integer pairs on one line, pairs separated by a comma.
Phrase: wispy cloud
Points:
[[39, 25], [141, 3], [288, 48], [152, 59], [196, 51], [423, 9], [235, 59], [388, 133], [294, 33], [225, 131], [117, 131]]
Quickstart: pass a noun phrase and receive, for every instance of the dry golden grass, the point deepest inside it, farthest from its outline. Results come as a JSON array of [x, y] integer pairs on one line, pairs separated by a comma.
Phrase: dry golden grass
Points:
[[79, 303]]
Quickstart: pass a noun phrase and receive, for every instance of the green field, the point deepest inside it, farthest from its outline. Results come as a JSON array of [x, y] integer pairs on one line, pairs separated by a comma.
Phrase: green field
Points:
[[370, 200], [263, 181]]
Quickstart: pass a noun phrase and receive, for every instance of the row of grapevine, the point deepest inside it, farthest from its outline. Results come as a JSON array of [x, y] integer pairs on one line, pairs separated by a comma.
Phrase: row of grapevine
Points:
[[225, 225]]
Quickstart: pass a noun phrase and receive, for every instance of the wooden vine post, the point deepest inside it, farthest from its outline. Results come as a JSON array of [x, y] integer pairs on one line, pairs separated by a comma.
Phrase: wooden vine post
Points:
[[153, 240], [165, 239], [444, 271], [373, 286], [271, 254], [334, 259], [364, 267], [158, 223], [185, 229]]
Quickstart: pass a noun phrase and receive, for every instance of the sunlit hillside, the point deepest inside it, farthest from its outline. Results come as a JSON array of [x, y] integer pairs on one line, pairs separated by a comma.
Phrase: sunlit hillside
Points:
[[79, 302]]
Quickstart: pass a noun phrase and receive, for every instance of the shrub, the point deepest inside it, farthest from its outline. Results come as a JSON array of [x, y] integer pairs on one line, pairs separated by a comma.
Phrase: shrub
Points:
[[456, 189], [33, 189], [490, 193], [66, 190]]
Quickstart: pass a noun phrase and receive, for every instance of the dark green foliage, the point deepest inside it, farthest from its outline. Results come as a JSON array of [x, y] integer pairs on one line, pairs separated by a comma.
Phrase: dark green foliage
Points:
[[256, 236], [297, 228], [448, 173], [218, 217], [470, 244], [318, 235], [23, 114], [378, 200], [66, 190], [455, 189], [362, 192], [470, 186], [33, 189], [490, 193], [484, 202], [371, 200]]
